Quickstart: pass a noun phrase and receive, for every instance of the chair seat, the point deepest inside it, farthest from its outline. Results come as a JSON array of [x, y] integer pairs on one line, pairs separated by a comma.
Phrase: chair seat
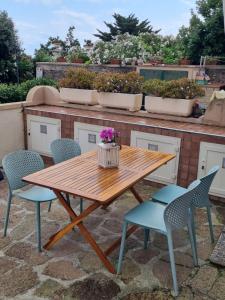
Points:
[[168, 193], [37, 194], [148, 214]]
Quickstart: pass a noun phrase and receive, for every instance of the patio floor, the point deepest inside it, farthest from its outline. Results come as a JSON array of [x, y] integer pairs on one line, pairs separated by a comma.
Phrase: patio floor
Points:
[[71, 270]]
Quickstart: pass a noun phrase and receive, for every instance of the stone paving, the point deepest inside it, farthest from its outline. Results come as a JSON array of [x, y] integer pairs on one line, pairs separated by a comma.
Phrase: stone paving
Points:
[[71, 270]]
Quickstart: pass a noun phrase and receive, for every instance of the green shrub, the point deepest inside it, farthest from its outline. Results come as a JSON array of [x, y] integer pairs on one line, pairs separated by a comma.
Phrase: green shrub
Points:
[[129, 83], [18, 92], [179, 89], [154, 87], [79, 78]]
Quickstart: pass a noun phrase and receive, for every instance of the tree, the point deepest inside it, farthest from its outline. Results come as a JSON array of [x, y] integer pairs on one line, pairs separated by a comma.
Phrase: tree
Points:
[[9, 49], [205, 34], [122, 24], [46, 51]]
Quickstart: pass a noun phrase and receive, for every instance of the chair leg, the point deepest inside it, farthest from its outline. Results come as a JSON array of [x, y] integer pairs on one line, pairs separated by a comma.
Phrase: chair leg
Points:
[[124, 233], [81, 205], [49, 206], [192, 218], [210, 224], [7, 213], [193, 246], [38, 225], [146, 234], [172, 262]]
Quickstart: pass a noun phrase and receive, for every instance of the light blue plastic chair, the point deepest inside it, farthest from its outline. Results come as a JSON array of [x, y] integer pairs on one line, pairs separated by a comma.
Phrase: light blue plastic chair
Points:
[[163, 219], [170, 192], [16, 165], [62, 150]]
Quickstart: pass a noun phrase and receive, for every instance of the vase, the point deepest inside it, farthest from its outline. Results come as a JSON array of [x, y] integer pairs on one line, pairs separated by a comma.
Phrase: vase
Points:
[[108, 155]]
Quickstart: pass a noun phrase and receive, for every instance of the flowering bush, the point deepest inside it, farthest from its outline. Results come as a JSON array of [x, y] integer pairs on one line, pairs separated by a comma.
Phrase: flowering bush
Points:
[[109, 135], [79, 78], [129, 83], [178, 89], [128, 48]]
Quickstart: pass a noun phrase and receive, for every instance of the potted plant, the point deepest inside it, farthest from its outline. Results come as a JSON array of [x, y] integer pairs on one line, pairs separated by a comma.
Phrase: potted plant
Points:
[[77, 87], [175, 97], [61, 59], [120, 90], [77, 56], [108, 149], [184, 61]]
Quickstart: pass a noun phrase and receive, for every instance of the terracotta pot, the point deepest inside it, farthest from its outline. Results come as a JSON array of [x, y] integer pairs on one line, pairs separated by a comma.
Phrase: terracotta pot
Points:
[[78, 61], [115, 61], [184, 61], [61, 59]]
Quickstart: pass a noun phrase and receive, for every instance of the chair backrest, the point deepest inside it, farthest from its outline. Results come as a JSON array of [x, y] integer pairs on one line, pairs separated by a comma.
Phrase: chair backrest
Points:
[[63, 149], [176, 213], [202, 196], [18, 164]]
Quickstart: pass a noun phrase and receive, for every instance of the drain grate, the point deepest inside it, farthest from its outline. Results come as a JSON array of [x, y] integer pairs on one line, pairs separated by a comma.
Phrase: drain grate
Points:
[[218, 254]]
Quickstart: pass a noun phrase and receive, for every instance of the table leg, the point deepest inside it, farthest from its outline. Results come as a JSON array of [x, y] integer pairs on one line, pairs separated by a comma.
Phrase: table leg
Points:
[[77, 220], [136, 195]]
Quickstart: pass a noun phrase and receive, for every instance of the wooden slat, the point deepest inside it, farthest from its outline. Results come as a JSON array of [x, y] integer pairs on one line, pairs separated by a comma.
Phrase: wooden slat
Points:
[[83, 177]]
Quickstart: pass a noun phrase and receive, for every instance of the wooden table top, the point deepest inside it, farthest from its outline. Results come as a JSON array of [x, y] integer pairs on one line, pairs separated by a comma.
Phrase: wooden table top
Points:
[[81, 176]]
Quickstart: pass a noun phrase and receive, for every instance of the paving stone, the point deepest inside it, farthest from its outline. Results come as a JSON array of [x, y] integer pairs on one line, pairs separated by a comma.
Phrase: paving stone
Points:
[[143, 256], [113, 225], [27, 253], [92, 222], [155, 295], [221, 214], [17, 282], [6, 264], [63, 270], [48, 288], [181, 258], [90, 262], [203, 231], [162, 271], [205, 249], [23, 229], [218, 289], [129, 270], [185, 294], [96, 287], [180, 238], [204, 279], [4, 241]]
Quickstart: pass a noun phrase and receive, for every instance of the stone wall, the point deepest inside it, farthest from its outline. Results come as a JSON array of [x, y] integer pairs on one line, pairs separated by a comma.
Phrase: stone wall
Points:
[[57, 70]]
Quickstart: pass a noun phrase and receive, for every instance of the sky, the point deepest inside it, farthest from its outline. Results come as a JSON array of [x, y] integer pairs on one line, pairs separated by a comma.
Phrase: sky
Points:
[[36, 20]]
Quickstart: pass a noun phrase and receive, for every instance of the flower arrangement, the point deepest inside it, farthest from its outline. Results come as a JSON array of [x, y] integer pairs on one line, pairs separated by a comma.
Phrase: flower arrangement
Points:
[[108, 149], [109, 135], [129, 83]]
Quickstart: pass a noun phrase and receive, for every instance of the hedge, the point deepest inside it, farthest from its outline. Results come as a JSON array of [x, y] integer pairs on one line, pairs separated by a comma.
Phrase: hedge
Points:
[[18, 92]]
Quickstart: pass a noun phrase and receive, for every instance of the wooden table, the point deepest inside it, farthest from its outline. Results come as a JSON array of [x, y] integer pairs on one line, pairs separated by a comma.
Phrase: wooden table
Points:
[[81, 176]]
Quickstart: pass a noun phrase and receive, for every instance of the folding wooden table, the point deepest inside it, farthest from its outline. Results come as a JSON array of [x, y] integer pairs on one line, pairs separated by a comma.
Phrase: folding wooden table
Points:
[[81, 176]]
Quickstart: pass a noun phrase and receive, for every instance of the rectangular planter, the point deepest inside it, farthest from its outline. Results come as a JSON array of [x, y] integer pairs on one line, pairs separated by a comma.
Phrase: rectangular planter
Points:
[[132, 102], [79, 96], [169, 106]]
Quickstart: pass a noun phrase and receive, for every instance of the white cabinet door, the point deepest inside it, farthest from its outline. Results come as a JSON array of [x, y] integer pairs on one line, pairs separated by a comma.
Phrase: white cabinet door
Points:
[[210, 155], [167, 173], [87, 136], [42, 132]]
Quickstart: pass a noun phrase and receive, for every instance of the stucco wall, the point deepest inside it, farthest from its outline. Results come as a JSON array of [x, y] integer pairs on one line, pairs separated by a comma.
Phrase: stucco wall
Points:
[[11, 128]]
